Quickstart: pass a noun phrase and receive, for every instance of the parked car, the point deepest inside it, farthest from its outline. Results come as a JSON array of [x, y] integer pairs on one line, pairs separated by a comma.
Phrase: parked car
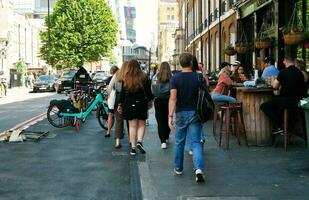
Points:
[[66, 81], [44, 83], [101, 77]]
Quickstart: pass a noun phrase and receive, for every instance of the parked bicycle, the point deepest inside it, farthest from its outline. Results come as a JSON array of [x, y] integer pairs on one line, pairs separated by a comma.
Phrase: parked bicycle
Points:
[[62, 113]]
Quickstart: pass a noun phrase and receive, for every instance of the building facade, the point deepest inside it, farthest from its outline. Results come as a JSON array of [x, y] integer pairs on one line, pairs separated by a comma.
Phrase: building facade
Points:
[[19, 40], [168, 22], [209, 27], [125, 14]]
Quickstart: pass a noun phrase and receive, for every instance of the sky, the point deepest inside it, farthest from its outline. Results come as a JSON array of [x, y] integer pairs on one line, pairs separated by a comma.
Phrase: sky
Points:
[[146, 22]]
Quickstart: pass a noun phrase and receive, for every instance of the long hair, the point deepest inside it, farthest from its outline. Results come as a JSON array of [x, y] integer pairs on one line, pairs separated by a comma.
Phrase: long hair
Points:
[[134, 78], [120, 73], [164, 75]]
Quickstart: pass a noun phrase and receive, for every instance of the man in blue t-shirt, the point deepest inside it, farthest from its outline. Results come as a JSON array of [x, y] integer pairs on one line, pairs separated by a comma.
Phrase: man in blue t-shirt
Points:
[[183, 101], [269, 70]]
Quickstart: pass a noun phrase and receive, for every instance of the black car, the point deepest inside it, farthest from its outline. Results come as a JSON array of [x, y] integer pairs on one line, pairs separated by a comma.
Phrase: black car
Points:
[[44, 83], [101, 78], [66, 81]]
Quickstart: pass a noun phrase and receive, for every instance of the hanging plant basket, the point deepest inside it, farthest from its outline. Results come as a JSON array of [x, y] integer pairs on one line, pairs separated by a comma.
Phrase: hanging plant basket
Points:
[[242, 48], [294, 38], [230, 51], [294, 32], [263, 43]]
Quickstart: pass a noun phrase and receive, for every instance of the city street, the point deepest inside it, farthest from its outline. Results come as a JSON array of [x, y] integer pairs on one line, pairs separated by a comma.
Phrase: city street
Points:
[[84, 165], [20, 105]]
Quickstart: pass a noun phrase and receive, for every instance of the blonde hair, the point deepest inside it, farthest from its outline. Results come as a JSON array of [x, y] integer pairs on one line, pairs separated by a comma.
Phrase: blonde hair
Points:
[[164, 75], [225, 70], [133, 76]]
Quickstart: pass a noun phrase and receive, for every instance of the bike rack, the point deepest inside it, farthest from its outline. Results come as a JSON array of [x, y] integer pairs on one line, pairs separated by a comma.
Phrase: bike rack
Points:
[[34, 135]]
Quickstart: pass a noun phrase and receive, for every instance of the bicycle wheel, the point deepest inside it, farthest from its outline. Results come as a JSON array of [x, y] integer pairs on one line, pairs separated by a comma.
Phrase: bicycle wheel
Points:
[[102, 117], [56, 120]]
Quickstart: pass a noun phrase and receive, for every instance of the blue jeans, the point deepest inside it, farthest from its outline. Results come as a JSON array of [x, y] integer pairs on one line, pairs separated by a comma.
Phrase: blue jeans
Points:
[[187, 125], [224, 98]]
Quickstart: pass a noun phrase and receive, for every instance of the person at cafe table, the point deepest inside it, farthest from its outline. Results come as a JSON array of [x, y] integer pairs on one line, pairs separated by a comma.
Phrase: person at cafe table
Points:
[[269, 68], [290, 82], [240, 75], [221, 92]]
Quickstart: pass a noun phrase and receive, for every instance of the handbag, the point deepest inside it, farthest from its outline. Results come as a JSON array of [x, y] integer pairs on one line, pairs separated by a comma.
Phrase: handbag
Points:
[[205, 104], [111, 99]]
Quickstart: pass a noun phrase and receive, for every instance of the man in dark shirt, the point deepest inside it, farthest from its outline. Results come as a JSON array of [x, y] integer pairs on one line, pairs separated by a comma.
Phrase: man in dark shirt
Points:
[[291, 83], [183, 102]]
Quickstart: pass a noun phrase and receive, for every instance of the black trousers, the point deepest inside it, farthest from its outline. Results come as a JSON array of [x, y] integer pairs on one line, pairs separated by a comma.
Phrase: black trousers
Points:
[[161, 112], [274, 108]]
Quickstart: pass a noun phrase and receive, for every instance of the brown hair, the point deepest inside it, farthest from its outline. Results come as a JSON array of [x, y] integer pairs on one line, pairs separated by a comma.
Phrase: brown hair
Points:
[[120, 72], [164, 75], [113, 70], [134, 77]]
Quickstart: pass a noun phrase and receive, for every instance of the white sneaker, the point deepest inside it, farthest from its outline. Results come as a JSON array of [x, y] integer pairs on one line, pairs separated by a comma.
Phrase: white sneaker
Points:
[[163, 145], [177, 172], [199, 176]]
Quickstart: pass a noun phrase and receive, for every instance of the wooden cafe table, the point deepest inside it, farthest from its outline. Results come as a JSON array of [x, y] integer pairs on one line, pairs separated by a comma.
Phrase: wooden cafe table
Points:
[[257, 124]]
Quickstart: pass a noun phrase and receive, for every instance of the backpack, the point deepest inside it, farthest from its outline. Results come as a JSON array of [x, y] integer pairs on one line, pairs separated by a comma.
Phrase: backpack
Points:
[[160, 90], [205, 104]]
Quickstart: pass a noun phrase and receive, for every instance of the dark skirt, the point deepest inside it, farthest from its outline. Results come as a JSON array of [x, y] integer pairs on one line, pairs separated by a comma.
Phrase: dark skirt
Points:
[[135, 107]]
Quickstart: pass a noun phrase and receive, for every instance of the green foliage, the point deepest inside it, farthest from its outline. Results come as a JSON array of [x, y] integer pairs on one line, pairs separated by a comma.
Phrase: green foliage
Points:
[[80, 31], [21, 66]]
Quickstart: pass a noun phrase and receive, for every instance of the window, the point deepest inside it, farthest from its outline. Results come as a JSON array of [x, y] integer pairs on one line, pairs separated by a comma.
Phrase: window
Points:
[[172, 17], [168, 8]]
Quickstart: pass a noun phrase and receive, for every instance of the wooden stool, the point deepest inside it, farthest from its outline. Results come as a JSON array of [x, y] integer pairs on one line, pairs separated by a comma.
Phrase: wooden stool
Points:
[[217, 108], [228, 110], [286, 135]]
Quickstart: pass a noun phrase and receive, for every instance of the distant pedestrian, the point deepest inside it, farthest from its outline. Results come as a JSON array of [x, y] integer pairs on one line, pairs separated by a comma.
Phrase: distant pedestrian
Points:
[[183, 102], [116, 84], [110, 120], [160, 87], [135, 99]]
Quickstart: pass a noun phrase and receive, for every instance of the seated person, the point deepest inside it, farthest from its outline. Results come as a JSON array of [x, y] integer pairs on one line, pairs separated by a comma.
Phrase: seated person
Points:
[[292, 88], [240, 76], [269, 68], [221, 91]]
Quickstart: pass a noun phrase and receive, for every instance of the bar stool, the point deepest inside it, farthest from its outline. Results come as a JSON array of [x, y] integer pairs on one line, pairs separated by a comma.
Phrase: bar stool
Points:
[[232, 110], [286, 135], [217, 108]]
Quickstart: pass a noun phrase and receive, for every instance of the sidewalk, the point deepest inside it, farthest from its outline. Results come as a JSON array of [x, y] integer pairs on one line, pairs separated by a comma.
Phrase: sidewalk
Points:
[[89, 164], [16, 94], [239, 173]]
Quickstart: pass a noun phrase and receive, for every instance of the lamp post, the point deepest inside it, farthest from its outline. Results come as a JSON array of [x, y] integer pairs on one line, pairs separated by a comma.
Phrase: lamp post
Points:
[[48, 28]]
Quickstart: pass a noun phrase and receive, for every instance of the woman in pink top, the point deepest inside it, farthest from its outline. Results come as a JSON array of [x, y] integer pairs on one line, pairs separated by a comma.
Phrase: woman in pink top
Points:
[[220, 93]]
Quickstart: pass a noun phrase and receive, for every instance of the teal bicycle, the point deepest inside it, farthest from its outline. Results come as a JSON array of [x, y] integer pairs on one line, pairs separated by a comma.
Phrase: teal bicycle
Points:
[[62, 113]]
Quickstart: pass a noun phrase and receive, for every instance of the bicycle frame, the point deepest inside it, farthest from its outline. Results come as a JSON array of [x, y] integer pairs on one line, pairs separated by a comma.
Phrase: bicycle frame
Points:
[[83, 115]]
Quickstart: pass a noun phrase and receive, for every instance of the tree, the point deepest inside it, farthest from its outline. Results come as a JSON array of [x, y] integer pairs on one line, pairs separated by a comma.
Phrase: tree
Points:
[[80, 31]]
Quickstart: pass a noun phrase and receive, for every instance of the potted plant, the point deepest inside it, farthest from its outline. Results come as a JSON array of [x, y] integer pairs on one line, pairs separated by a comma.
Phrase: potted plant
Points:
[[263, 43], [242, 47], [294, 33], [294, 36], [230, 50]]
